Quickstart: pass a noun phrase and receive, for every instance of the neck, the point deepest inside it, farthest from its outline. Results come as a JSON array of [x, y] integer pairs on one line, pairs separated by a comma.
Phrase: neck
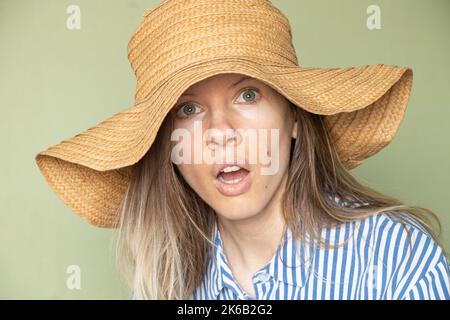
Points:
[[251, 243]]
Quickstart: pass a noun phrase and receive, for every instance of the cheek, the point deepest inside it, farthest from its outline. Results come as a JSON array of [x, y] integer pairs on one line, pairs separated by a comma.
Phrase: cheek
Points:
[[274, 147], [197, 177], [187, 145], [276, 161], [190, 173]]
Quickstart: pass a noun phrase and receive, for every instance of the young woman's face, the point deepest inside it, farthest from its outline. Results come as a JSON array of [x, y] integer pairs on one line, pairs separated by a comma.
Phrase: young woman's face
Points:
[[238, 118]]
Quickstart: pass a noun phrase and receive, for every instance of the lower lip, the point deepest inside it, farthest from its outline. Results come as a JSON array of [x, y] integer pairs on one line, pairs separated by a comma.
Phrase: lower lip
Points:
[[234, 189]]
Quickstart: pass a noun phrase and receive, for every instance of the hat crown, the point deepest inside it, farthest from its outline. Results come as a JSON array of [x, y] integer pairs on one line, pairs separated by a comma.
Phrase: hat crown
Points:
[[177, 34]]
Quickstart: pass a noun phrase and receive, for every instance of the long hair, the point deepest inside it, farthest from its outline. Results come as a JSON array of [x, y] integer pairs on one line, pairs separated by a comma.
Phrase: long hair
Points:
[[164, 243]]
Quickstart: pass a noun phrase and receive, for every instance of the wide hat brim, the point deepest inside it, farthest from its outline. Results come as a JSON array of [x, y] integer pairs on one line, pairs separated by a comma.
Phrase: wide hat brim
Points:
[[363, 108]]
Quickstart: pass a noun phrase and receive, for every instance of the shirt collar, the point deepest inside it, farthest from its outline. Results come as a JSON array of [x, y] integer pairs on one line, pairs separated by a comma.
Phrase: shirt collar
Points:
[[289, 264]]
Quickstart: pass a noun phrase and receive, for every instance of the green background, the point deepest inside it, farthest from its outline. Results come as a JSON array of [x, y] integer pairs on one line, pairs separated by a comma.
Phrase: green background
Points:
[[55, 83]]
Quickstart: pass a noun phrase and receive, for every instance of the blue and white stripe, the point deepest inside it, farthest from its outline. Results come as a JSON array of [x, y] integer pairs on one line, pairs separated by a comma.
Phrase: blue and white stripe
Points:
[[374, 261]]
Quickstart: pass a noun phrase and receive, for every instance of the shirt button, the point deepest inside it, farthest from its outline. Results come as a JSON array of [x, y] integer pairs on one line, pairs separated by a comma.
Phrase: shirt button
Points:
[[263, 277]]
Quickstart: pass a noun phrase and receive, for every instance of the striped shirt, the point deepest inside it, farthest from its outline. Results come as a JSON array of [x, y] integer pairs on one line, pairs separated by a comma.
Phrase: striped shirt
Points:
[[374, 261]]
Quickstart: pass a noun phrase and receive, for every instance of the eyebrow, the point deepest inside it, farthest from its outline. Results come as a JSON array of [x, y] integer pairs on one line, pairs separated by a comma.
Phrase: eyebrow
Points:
[[233, 85]]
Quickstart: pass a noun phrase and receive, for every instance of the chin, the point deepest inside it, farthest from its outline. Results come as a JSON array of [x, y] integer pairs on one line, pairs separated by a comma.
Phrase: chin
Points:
[[237, 211]]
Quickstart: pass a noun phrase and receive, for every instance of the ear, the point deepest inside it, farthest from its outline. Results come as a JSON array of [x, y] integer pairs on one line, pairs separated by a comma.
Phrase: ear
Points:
[[294, 130]]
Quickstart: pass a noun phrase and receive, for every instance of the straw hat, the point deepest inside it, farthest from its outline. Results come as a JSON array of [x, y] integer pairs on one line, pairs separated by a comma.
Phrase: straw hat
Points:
[[180, 42]]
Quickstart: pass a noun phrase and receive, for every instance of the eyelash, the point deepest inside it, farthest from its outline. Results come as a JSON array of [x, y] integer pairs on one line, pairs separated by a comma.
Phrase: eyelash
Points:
[[181, 105]]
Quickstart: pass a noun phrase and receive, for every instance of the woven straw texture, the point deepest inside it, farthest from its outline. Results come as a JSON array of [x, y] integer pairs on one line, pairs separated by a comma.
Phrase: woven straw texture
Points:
[[181, 42]]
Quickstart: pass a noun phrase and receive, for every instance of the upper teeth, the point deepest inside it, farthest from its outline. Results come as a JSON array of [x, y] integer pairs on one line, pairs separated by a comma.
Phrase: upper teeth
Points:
[[230, 169]]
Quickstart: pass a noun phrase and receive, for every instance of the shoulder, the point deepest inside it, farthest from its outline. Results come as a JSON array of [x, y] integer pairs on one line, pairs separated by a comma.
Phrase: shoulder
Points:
[[396, 232], [391, 227], [406, 255], [386, 231]]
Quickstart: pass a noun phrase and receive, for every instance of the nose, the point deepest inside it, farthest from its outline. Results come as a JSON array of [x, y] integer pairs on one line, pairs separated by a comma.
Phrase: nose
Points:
[[221, 131], [218, 138]]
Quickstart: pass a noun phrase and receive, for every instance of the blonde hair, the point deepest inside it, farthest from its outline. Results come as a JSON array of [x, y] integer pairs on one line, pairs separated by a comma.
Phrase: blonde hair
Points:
[[163, 243]]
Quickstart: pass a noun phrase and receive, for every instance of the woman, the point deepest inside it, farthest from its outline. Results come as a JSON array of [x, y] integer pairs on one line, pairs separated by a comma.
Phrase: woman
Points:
[[229, 177]]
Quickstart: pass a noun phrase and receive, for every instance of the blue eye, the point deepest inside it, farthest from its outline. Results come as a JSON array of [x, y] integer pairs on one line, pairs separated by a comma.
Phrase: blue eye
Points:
[[249, 95], [187, 110]]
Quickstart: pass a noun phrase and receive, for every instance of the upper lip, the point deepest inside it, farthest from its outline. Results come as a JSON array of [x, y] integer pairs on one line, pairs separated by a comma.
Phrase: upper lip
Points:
[[220, 166]]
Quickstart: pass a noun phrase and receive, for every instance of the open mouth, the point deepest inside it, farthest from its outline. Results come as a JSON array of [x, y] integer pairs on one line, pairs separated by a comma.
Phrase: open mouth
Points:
[[233, 180], [232, 174]]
